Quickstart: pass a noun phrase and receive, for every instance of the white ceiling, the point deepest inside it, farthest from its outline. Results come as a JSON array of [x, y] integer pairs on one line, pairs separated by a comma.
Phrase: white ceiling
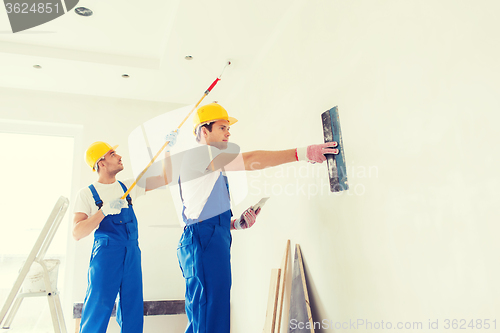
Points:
[[148, 41], [324, 51]]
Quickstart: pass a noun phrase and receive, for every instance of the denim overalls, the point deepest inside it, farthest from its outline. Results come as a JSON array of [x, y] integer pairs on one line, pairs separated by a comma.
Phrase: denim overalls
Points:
[[115, 267], [204, 257]]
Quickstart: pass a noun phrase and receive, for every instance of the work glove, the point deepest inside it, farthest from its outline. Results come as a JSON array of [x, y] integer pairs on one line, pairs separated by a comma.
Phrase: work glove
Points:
[[246, 220], [114, 207], [315, 153], [172, 138]]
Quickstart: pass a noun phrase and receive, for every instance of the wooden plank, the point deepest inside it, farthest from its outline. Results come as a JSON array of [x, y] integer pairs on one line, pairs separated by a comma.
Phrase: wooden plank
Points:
[[151, 308], [77, 325], [160, 308], [300, 309], [284, 273], [304, 285], [272, 301], [337, 170]]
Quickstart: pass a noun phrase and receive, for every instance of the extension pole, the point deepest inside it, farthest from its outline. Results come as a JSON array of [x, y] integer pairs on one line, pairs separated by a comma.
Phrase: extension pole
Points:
[[178, 127]]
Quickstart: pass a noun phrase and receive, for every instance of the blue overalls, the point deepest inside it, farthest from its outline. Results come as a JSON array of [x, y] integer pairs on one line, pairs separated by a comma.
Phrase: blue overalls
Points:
[[204, 257], [115, 267]]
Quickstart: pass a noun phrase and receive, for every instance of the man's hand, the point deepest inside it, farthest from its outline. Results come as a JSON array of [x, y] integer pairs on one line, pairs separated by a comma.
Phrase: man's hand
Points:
[[247, 219], [114, 207], [315, 153]]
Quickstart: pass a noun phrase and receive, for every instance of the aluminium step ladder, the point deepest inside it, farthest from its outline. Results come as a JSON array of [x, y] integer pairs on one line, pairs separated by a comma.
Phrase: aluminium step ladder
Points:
[[47, 268]]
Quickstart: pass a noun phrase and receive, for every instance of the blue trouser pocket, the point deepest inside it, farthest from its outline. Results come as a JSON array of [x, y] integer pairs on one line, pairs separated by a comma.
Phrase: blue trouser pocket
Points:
[[206, 233], [126, 219], [99, 243], [185, 254]]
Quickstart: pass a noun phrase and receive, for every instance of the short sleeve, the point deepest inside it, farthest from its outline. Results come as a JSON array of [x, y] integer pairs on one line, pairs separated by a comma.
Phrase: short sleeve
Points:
[[196, 161], [82, 204], [199, 159]]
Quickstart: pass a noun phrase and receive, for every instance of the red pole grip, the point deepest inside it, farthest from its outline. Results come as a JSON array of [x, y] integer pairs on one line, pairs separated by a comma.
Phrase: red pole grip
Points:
[[212, 86]]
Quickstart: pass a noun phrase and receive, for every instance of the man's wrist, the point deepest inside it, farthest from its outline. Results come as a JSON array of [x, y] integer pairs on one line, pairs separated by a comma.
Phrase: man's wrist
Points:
[[301, 153]]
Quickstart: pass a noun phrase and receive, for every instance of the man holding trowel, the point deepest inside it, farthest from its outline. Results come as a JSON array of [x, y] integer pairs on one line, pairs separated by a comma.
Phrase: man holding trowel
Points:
[[115, 263], [204, 247]]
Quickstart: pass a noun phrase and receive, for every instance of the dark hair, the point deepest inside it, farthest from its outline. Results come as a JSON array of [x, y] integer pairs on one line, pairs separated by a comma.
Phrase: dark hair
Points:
[[198, 130]]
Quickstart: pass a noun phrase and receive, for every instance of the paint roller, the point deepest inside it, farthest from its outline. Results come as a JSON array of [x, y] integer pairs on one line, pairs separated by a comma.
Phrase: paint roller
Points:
[[178, 127], [337, 171]]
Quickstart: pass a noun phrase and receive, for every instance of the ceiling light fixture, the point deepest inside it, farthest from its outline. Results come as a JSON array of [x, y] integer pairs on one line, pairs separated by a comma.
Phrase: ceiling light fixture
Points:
[[82, 11], [37, 66], [125, 76], [188, 57]]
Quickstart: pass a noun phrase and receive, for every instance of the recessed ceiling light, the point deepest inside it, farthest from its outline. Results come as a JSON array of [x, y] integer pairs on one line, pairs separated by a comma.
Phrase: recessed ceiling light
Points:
[[83, 11], [188, 57], [37, 66], [125, 76]]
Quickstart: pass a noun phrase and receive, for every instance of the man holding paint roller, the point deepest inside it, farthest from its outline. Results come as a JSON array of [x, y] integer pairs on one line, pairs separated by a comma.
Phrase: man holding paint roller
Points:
[[204, 247], [115, 263]]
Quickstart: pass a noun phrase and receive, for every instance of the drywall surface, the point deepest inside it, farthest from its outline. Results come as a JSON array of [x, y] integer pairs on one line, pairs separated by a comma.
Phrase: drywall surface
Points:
[[414, 239]]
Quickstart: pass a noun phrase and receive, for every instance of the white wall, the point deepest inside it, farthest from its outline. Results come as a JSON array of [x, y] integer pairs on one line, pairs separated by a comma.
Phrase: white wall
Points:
[[417, 87], [109, 120]]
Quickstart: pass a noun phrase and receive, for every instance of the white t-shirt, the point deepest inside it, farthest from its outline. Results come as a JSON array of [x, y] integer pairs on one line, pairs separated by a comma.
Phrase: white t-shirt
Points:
[[85, 202], [196, 181]]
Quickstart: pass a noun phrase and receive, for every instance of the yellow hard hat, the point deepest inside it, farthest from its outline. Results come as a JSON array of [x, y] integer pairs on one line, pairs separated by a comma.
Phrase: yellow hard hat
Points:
[[211, 112], [95, 151]]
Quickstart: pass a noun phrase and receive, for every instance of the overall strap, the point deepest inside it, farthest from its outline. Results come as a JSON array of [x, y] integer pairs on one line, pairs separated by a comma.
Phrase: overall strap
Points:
[[227, 184], [182, 200], [129, 199], [97, 199]]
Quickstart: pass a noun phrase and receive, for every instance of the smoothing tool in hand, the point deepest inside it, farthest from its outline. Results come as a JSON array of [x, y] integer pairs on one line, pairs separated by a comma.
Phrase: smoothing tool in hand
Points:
[[337, 170]]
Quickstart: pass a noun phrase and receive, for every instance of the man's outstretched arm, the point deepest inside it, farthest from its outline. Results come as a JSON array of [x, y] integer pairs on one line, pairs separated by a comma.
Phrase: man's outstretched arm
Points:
[[260, 159]]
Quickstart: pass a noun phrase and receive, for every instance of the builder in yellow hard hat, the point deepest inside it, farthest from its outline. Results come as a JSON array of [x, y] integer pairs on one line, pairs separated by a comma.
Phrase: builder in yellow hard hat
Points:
[[204, 247], [115, 265]]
